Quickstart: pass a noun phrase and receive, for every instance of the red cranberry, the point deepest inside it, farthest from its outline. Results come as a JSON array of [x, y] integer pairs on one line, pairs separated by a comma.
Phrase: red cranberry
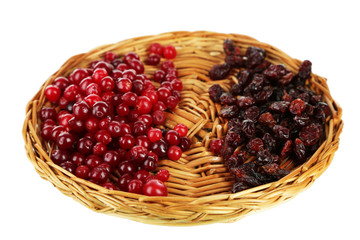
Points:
[[139, 128], [56, 131], [153, 59], [127, 141], [177, 84], [130, 57], [133, 115], [216, 145], [93, 161], [107, 83], [112, 158], [156, 48], [52, 93], [163, 175], [99, 175], [168, 85], [47, 123], [92, 124], [93, 88], [138, 154], [159, 76], [143, 105], [103, 136], [137, 66], [81, 110], [100, 109], [135, 186], [82, 171], [154, 134], [142, 175], [124, 85], [129, 74], [143, 141], [99, 149], [159, 106], [76, 125], [104, 123], [64, 120], [149, 85], [155, 187], [59, 156], [174, 153], [149, 164], [65, 140], [84, 146], [158, 117], [152, 155], [70, 92], [169, 52], [77, 75], [108, 97], [68, 166], [47, 113], [77, 158], [184, 144], [126, 167], [172, 71], [124, 181], [61, 82], [129, 98], [171, 102], [172, 137], [152, 95], [98, 74], [122, 67], [163, 94], [160, 148], [92, 99], [46, 132], [165, 65], [181, 129], [122, 109], [109, 186], [109, 56], [107, 66], [116, 73]]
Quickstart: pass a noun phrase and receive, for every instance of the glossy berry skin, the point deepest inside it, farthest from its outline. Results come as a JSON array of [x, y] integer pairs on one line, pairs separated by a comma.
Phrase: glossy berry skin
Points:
[[81, 110], [165, 65], [77, 75], [103, 136], [68, 166], [93, 161], [155, 187], [100, 109], [172, 137], [160, 148], [126, 167], [143, 105], [135, 186], [163, 175], [82, 171], [109, 186], [52, 93], [65, 140], [174, 153], [127, 141], [99, 175], [61, 82], [59, 156], [163, 94], [154, 134], [152, 95], [159, 76], [171, 102], [138, 154], [112, 158], [158, 117], [92, 99], [149, 164], [92, 124], [184, 144], [181, 129], [143, 141], [99, 149], [139, 128], [84, 146], [153, 59], [169, 52], [137, 66], [156, 48], [129, 98], [107, 83], [99, 74], [77, 158], [216, 145], [142, 175], [131, 56], [70, 92], [122, 109], [146, 118], [47, 113], [123, 181], [124, 85]]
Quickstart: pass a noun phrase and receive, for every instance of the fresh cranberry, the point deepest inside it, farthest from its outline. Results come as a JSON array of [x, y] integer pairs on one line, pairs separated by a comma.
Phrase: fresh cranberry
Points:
[[135, 186], [93, 88], [130, 57], [98, 74], [85, 83], [122, 67], [116, 62], [92, 124], [99, 149], [158, 117], [81, 110], [172, 137], [129, 98], [65, 140], [177, 84], [71, 91], [184, 144], [153, 156], [112, 158], [165, 65], [63, 102], [159, 76], [105, 65], [76, 125], [154, 134], [149, 164], [123, 181], [159, 106], [129, 74], [152, 95], [92, 99], [77, 75], [116, 73], [139, 128], [46, 132], [133, 115], [155, 187], [82, 171], [160, 148], [169, 52], [127, 141], [52, 93], [171, 102], [149, 85], [216, 145], [61, 82], [100, 109], [163, 175], [107, 83], [137, 66], [109, 186], [108, 97], [170, 77], [181, 129], [56, 131], [163, 94], [104, 123], [99, 175], [174, 153], [47, 113], [172, 71], [77, 158], [109, 56], [126, 167], [143, 141], [143, 105], [168, 85], [68, 166], [142, 175], [138, 154], [59, 156], [64, 120], [122, 110], [103, 136], [124, 85], [156, 48], [47, 123], [93, 161], [153, 59]]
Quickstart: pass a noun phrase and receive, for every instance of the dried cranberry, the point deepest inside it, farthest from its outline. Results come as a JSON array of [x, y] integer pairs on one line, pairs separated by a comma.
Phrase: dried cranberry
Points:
[[233, 139], [245, 102], [305, 69], [297, 106], [267, 119], [248, 128], [219, 71], [227, 99], [255, 145], [279, 106], [281, 132], [275, 71], [299, 149], [252, 113], [229, 111], [243, 77], [215, 92], [255, 56], [287, 149], [310, 134], [235, 61]]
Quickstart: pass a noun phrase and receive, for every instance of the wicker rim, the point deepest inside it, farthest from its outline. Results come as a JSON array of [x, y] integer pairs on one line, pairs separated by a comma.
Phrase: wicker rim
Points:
[[199, 184]]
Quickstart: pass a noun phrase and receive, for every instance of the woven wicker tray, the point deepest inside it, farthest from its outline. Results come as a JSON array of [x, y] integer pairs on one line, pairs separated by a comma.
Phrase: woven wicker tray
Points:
[[199, 186]]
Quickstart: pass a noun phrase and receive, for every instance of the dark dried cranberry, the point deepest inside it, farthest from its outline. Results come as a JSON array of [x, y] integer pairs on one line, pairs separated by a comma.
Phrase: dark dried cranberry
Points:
[[305, 69], [245, 102], [263, 157], [257, 83], [229, 48], [227, 99], [297, 106], [286, 150], [252, 113], [269, 142], [248, 128], [215, 92], [261, 67], [279, 106], [229, 111], [243, 77], [255, 56], [304, 96], [302, 120], [287, 97], [234, 125], [267, 119], [236, 89], [286, 79], [235, 61], [299, 149], [322, 111], [236, 159], [310, 134], [275, 72], [226, 151], [233, 139], [219, 71], [263, 95], [281, 132], [271, 169], [255, 145], [314, 99]]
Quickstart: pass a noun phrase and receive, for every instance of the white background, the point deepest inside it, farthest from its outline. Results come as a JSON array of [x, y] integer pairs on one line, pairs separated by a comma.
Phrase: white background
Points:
[[38, 36]]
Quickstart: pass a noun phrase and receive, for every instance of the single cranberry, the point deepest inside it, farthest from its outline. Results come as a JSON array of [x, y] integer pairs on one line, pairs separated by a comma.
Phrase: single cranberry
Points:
[[169, 52], [126, 167], [93, 88], [61, 82], [176, 94], [98, 74], [107, 83], [163, 175], [123, 181], [152, 95], [105, 65], [156, 48], [84, 146], [112, 158], [99, 149], [103, 136], [46, 132], [124, 85], [109, 56], [104, 123], [71, 91], [146, 118], [100, 109], [154, 134], [138, 87], [109, 186], [65, 140], [77, 158], [171, 102], [92, 124], [172, 137], [130, 57], [85, 83], [108, 97], [116, 62], [99, 175], [160, 148], [130, 74], [82, 171], [77, 75], [59, 156], [122, 110], [135, 186], [47, 113], [181, 129], [92, 99], [143, 105], [158, 117], [159, 76], [155, 187], [184, 144], [165, 65], [138, 154], [216, 145], [52, 93], [76, 125], [68, 166], [63, 102], [137, 66], [174, 153], [122, 67], [143, 141], [159, 106], [149, 164], [129, 98], [142, 175], [56, 131], [139, 128], [127, 141], [64, 120], [163, 93], [167, 84], [170, 77], [177, 84], [116, 74], [149, 85], [47, 123], [172, 71], [153, 59], [152, 155], [133, 115], [93, 161]]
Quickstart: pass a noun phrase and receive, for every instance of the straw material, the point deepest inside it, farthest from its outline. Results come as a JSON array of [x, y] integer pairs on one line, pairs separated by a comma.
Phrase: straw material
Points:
[[199, 186]]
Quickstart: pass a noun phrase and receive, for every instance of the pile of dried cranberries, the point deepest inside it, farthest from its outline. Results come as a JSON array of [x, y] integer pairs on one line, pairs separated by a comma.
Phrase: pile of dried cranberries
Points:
[[270, 112], [103, 120]]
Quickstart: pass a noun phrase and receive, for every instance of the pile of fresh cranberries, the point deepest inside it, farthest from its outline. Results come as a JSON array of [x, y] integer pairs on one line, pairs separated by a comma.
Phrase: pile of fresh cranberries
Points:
[[271, 116], [105, 121]]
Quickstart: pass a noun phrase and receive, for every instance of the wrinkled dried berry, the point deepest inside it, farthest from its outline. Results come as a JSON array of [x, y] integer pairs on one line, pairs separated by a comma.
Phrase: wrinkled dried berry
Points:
[[322, 111], [255, 145], [263, 157], [286, 79], [305, 69], [286, 150], [263, 95], [230, 48], [310, 134], [299, 149], [267, 119], [269, 142], [233, 139], [235, 61], [257, 83], [229, 111], [297, 106], [243, 77], [261, 67], [252, 113], [248, 128], [219, 71], [281, 132], [245, 102], [236, 159], [215, 92], [227, 99], [234, 125], [280, 106], [226, 151], [271, 169], [275, 72], [301, 120], [236, 89], [255, 56]]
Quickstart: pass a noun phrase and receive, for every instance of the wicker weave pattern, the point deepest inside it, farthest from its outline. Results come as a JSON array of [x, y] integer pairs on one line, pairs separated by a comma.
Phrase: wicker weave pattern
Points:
[[199, 186]]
